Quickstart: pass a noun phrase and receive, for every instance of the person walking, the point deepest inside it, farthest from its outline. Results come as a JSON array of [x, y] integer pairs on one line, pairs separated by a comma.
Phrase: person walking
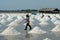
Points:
[[28, 22]]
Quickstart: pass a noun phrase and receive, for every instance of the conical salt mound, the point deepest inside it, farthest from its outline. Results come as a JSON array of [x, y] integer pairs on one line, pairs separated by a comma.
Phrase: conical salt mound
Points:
[[58, 16], [56, 29], [31, 19], [9, 19], [19, 17], [4, 16], [57, 22], [45, 18], [53, 19], [37, 17], [46, 39], [3, 21], [51, 16], [10, 31], [37, 30], [13, 24], [43, 23]]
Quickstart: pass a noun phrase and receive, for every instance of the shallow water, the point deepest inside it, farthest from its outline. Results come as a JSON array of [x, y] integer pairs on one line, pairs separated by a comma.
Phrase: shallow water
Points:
[[29, 36]]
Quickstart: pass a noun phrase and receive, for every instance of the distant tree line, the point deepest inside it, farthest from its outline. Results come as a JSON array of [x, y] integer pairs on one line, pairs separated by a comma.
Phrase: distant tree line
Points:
[[30, 11], [18, 11]]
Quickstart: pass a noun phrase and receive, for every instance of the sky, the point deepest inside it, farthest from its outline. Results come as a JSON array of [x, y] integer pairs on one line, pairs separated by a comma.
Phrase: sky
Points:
[[28, 4]]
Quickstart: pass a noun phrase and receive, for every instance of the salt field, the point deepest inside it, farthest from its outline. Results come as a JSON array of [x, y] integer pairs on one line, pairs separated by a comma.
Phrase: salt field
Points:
[[43, 28]]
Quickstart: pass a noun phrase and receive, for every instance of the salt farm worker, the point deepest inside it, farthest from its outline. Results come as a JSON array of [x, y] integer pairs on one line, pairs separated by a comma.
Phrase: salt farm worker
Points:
[[27, 22]]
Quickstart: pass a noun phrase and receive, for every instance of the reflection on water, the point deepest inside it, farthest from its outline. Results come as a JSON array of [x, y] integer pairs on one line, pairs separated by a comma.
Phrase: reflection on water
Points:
[[27, 36], [32, 36]]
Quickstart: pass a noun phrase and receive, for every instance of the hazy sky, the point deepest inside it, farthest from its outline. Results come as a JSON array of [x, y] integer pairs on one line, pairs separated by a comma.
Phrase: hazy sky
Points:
[[28, 4]]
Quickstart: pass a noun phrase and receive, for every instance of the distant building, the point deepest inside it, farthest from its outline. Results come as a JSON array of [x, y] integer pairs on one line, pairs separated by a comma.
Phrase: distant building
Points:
[[49, 10]]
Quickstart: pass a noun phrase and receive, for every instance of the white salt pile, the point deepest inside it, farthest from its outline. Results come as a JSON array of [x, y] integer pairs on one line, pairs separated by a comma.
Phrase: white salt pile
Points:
[[37, 30], [4, 16], [53, 19], [57, 22], [3, 21], [46, 18], [19, 17], [13, 24], [58, 16], [43, 23], [9, 19], [46, 39], [56, 29], [10, 31]]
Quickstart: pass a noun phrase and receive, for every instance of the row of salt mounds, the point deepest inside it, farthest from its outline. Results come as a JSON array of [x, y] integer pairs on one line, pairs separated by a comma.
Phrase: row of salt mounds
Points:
[[11, 34], [4, 16], [11, 17], [10, 31], [54, 19], [51, 15], [3, 21], [38, 16], [57, 22], [58, 16], [16, 22], [56, 30], [19, 19], [43, 23], [45, 18], [46, 39], [37, 30], [35, 33]]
